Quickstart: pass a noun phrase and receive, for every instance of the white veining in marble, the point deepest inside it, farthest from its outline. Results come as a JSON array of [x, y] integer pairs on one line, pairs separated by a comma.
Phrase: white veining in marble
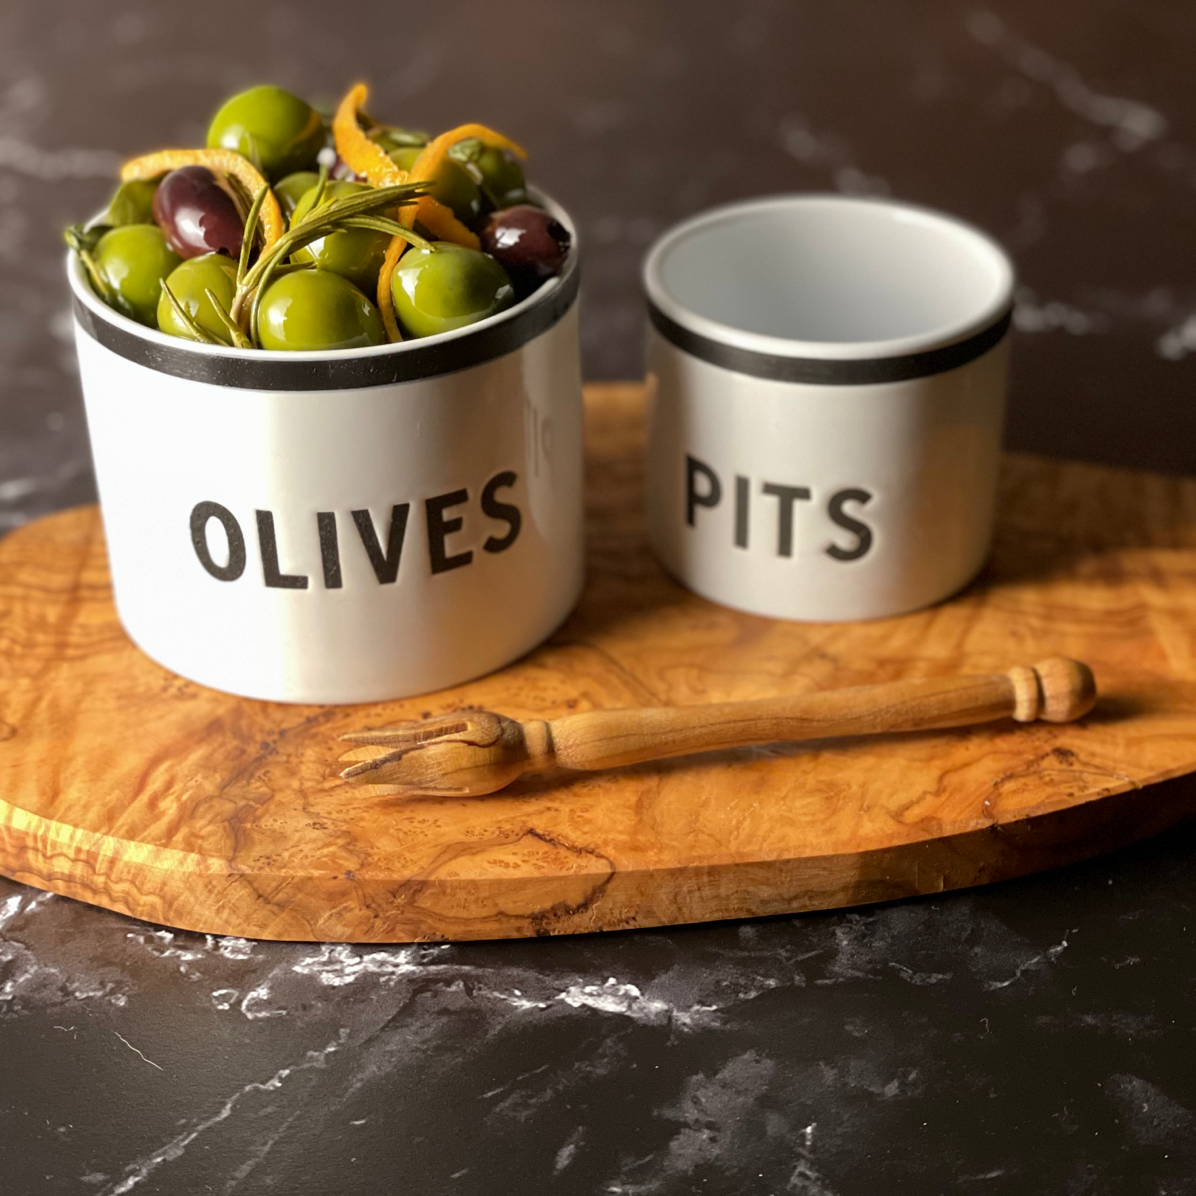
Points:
[[827, 151], [53, 166], [139, 1171], [1033, 314], [1132, 123]]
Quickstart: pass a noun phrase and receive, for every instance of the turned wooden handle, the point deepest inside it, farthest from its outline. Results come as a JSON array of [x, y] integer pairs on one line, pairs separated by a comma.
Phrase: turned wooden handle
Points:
[[1057, 690], [474, 752]]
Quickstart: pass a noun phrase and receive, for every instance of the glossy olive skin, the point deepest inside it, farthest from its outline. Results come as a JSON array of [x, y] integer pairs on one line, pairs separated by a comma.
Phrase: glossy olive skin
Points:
[[316, 309], [271, 127], [392, 139], [501, 176], [356, 253], [437, 290], [291, 189], [131, 203], [529, 243], [453, 185], [132, 260], [197, 215], [188, 282]]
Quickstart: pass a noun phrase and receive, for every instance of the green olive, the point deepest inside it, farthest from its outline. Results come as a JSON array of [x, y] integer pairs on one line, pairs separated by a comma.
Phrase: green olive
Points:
[[132, 261], [356, 253], [453, 185], [390, 139], [449, 286], [316, 309], [271, 127], [500, 175], [189, 283], [131, 203], [403, 156], [290, 190]]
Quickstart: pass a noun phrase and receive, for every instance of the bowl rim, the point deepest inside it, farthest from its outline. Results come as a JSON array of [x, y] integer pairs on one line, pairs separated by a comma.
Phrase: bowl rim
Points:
[[332, 369], [830, 362]]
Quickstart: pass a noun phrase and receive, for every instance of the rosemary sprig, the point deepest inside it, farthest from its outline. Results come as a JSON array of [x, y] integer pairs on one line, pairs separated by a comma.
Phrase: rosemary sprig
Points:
[[383, 224], [320, 222], [83, 241], [247, 237], [240, 340], [321, 185], [195, 330], [361, 210]]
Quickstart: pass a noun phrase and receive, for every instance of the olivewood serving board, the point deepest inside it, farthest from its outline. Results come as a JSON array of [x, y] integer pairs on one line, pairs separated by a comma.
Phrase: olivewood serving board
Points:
[[123, 785]]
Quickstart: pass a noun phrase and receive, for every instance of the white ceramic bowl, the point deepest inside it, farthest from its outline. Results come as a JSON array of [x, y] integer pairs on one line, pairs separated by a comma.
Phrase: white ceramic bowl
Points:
[[827, 382], [345, 526]]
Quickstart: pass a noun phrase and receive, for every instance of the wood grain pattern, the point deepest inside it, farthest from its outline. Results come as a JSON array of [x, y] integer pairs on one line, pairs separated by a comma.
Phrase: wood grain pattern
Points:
[[126, 786]]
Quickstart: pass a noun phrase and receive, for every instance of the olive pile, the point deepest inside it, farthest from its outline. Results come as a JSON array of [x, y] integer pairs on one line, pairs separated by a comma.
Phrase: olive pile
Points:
[[288, 234]]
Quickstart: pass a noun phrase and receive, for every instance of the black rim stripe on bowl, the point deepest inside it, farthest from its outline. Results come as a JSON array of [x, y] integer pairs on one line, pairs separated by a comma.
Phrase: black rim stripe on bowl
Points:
[[825, 371], [274, 371]]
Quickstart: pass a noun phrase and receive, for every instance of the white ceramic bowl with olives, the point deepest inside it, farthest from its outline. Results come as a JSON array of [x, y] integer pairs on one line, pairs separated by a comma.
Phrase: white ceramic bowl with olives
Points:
[[332, 382]]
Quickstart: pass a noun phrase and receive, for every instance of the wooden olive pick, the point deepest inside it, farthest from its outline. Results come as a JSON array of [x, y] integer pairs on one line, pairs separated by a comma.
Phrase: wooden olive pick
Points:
[[473, 752]]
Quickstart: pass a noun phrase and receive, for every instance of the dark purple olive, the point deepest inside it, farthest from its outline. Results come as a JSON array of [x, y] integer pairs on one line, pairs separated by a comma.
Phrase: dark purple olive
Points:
[[342, 171], [528, 243], [196, 214]]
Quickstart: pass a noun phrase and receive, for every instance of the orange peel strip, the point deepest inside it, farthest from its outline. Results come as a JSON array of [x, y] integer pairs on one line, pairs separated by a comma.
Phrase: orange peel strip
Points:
[[227, 161], [439, 221], [386, 302], [434, 153], [434, 216], [357, 151], [367, 158], [443, 226]]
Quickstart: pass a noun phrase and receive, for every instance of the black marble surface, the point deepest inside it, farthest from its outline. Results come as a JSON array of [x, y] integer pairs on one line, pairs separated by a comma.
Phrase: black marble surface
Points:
[[1034, 1037]]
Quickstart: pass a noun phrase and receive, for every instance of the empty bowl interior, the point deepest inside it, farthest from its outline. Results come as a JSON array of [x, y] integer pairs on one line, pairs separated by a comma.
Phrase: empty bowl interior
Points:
[[830, 270]]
